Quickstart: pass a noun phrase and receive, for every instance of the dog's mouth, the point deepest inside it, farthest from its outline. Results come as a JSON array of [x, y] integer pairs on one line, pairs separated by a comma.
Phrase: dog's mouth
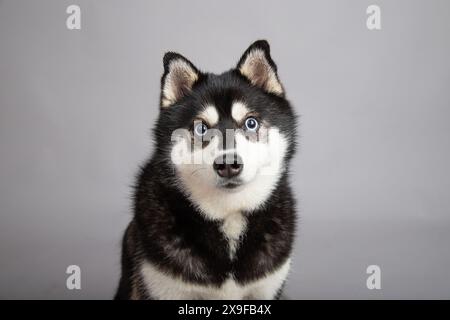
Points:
[[230, 184]]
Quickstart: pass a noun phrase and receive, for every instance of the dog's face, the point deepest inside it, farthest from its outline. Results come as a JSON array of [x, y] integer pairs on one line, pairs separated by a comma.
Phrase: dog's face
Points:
[[231, 135]]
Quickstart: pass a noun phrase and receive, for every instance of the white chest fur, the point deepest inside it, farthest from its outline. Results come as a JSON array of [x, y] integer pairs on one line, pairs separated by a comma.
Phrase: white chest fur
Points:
[[164, 286], [233, 226]]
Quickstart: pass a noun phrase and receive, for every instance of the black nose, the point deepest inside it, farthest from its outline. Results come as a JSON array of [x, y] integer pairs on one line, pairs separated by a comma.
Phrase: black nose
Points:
[[228, 166]]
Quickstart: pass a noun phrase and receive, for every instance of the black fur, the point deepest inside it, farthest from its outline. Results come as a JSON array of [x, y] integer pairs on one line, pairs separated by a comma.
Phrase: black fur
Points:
[[162, 212]]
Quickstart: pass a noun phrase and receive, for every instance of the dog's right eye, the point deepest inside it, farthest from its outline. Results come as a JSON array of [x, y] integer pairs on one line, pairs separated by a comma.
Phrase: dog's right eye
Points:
[[200, 129]]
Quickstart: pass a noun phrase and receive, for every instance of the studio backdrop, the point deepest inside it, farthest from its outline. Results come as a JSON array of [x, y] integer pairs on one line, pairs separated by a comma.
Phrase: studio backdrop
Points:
[[370, 81]]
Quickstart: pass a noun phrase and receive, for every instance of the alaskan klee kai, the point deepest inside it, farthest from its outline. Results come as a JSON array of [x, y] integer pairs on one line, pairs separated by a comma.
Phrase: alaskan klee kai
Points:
[[214, 215]]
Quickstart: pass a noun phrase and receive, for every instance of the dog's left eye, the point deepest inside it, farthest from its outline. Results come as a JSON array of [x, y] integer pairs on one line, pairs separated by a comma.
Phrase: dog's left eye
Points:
[[251, 124], [200, 129]]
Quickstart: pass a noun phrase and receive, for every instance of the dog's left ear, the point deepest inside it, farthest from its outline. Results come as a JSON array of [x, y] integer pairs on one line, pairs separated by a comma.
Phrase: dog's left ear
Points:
[[258, 67], [179, 77]]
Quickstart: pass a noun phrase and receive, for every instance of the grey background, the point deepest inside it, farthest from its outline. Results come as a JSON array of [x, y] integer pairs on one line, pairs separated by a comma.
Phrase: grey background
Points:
[[371, 177]]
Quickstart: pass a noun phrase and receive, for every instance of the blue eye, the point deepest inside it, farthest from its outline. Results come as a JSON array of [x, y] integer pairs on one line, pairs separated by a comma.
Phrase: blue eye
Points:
[[251, 124], [200, 129]]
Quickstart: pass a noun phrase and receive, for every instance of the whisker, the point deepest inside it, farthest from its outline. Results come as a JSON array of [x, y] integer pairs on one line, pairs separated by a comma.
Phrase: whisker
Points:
[[197, 170]]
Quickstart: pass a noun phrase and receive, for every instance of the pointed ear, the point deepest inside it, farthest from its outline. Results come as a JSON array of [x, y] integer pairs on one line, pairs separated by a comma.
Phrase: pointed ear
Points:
[[258, 67], [178, 79]]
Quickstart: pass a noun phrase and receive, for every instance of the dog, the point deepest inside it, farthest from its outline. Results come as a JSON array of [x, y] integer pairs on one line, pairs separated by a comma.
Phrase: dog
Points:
[[214, 215]]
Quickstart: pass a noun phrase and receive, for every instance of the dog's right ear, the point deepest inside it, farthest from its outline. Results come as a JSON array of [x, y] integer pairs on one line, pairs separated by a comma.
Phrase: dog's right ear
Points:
[[178, 79]]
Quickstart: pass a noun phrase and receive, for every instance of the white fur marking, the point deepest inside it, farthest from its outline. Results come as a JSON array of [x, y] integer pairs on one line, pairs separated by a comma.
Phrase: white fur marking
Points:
[[167, 287], [233, 227], [210, 115], [263, 166], [239, 111]]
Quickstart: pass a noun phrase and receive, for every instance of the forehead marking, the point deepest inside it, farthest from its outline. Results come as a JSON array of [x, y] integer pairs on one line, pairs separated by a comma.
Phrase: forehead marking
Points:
[[239, 111], [210, 115]]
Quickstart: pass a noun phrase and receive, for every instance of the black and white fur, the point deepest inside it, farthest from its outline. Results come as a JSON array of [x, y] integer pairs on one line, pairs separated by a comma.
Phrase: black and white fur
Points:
[[193, 236]]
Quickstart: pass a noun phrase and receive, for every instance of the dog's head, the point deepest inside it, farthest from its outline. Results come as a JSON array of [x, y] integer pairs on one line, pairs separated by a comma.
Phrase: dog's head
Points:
[[228, 137]]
